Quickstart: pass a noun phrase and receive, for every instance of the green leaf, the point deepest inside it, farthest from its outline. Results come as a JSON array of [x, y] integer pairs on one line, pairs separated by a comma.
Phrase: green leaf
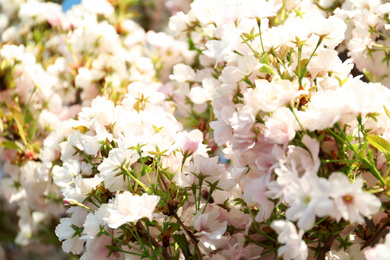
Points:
[[82, 129], [33, 129], [387, 112], [303, 66], [379, 143], [266, 69], [192, 46], [182, 242], [18, 117], [10, 145]]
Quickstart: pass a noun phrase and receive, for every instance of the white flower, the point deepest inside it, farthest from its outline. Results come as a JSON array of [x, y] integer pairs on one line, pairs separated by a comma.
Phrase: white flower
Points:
[[359, 95], [95, 220], [63, 175], [306, 161], [280, 128], [111, 166], [256, 8], [308, 197], [85, 77], [325, 109], [182, 73], [66, 231], [68, 151], [12, 53], [268, 96], [100, 112], [127, 207], [380, 251], [200, 95], [82, 186], [333, 28], [351, 202], [201, 165], [99, 7], [294, 248], [239, 249], [353, 252], [230, 39]]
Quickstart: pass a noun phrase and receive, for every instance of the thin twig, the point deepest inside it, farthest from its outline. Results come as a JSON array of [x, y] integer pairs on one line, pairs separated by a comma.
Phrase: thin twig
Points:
[[144, 233], [374, 236]]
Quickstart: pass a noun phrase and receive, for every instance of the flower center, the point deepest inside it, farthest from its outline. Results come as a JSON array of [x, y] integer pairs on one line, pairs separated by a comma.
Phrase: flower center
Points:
[[348, 199]]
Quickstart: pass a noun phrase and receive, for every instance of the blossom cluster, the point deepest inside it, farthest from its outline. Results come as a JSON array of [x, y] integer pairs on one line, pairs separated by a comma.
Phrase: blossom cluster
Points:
[[52, 64], [243, 135]]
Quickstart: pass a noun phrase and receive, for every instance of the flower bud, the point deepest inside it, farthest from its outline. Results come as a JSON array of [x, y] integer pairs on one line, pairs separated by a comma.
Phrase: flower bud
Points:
[[188, 146]]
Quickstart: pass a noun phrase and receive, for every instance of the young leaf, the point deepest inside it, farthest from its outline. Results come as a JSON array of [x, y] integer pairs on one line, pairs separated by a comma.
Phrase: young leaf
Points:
[[379, 143], [18, 116], [387, 111], [283, 51], [82, 129], [182, 242], [10, 145], [32, 130], [266, 69]]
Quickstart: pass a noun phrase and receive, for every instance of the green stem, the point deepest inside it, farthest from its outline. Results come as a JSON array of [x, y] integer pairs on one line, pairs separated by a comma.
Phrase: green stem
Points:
[[265, 235], [136, 180], [281, 62], [303, 130], [128, 252], [315, 49], [375, 172], [299, 65], [373, 169], [250, 47], [261, 39], [269, 252], [330, 161]]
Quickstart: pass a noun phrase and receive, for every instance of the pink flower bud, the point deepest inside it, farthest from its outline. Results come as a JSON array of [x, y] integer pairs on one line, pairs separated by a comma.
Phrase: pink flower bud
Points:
[[70, 202], [54, 20], [188, 146]]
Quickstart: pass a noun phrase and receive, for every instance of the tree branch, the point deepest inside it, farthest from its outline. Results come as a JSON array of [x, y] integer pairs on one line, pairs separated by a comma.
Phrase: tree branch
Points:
[[189, 233], [326, 247]]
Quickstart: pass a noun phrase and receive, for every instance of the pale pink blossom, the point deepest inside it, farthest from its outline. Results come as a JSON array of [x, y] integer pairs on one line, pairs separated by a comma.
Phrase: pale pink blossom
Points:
[[188, 147], [255, 195], [380, 251], [237, 250], [294, 247], [351, 202], [280, 128], [126, 207], [182, 73], [96, 249], [210, 231]]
